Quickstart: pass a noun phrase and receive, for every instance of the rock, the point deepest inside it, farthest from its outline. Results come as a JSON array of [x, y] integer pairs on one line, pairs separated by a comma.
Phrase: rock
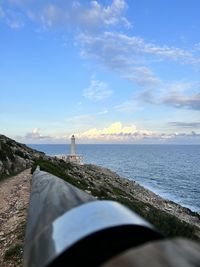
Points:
[[15, 157]]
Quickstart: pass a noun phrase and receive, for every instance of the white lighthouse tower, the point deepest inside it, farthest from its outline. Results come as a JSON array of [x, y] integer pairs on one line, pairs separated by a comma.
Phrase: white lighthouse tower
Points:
[[72, 157], [73, 146]]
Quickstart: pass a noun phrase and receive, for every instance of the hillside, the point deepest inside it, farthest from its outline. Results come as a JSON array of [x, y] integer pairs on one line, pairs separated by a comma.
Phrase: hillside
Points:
[[15, 157]]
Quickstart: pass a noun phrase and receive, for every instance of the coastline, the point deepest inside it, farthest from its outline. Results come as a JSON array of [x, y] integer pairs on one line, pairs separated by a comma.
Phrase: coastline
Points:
[[142, 193], [169, 171], [167, 216], [166, 196], [158, 193]]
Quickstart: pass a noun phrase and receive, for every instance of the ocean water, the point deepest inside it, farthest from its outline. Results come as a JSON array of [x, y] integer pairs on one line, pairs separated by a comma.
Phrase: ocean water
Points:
[[171, 171]]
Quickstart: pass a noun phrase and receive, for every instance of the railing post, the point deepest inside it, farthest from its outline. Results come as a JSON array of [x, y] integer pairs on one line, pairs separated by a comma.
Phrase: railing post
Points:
[[66, 226]]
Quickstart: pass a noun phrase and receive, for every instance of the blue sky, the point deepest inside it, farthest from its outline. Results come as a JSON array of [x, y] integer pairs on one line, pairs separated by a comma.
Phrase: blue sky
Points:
[[111, 71]]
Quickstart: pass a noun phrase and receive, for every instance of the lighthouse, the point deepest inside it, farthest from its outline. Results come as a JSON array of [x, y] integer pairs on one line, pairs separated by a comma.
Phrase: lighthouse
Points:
[[73, 146], [72, 157]]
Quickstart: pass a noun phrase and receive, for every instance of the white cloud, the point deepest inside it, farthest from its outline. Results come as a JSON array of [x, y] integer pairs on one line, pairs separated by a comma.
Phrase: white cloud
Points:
[[180, 87], [131, 55], [36, 134], [98, 15], [114, 132], [188, 125], [143, 76], [119, 133], [86, 17], [53, 15], [97, 90], [113, 53], [182, 94], [183, 101], [15, 24], [12, 18]]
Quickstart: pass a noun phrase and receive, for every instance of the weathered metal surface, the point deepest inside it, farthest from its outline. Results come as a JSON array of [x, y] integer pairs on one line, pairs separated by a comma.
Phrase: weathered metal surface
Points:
[[50, 198], [168, 253], [65, 227]]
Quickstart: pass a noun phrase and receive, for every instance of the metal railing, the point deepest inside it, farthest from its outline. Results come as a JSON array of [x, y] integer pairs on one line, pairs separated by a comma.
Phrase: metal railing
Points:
[[67, 226]]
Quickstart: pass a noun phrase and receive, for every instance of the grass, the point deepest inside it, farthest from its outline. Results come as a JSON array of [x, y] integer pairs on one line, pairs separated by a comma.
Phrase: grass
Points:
[[14, 253], [59, 169]]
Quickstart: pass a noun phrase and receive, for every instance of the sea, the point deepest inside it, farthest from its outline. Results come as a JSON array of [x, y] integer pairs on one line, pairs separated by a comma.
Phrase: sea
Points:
[[171, 171]]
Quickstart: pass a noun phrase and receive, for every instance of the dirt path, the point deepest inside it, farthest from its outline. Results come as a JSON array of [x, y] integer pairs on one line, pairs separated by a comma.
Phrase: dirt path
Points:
[[14, 197]]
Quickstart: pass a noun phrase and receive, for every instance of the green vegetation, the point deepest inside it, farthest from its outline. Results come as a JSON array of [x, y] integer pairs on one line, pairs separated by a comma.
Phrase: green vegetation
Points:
[[5, 151], [59, 168], [14, 251], [169, 225], [19, 153]]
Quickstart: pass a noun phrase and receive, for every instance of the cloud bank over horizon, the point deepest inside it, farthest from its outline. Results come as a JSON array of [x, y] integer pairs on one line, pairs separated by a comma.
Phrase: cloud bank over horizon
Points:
[[116, 133]]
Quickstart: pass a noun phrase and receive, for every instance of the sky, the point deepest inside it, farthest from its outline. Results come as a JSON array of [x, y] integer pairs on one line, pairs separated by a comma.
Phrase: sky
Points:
[[111, 71]]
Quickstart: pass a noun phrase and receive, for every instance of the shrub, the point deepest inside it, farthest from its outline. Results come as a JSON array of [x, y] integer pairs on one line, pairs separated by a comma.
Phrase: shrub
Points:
[[14, 251], [19, 153], [59, 169], [6, 151]]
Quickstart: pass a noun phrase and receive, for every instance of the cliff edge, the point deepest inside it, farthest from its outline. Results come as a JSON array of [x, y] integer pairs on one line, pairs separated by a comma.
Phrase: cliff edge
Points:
[[15, 157]]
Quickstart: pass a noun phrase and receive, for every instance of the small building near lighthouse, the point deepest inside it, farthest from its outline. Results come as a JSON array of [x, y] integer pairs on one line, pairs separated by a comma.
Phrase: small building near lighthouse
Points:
[[72, 157]]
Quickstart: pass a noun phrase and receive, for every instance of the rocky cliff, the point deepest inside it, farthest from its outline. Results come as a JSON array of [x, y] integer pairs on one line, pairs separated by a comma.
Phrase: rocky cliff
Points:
[[15, 157]]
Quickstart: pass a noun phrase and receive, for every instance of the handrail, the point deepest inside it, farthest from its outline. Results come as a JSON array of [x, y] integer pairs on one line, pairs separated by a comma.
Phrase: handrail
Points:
[[66, 226]]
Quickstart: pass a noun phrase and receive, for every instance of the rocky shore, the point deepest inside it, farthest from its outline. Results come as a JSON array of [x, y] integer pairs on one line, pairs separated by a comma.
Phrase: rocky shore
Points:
[[108, 180], [106, 184]]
